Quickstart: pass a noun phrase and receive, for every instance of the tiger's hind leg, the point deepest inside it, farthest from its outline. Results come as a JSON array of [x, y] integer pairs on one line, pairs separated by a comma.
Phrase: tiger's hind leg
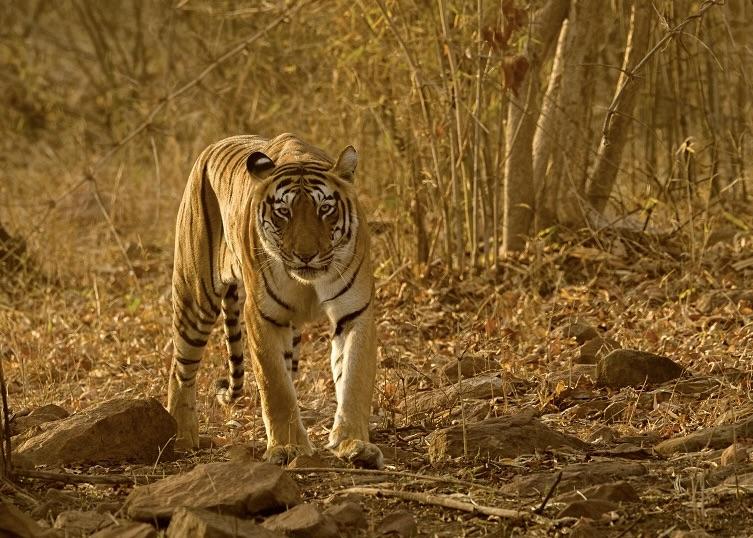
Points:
[[192, 325], [230, 389]]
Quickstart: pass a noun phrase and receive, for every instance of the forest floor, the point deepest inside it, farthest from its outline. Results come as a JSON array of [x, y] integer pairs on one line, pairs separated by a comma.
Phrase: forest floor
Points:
[[521, 330]]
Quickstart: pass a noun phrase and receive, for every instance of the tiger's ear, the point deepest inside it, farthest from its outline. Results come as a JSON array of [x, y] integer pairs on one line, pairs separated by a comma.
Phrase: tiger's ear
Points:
[[345, 167], [259, 165]]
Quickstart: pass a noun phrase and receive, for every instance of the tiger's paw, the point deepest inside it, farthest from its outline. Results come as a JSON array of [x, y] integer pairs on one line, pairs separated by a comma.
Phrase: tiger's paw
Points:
[[284, 454], [360, 453]]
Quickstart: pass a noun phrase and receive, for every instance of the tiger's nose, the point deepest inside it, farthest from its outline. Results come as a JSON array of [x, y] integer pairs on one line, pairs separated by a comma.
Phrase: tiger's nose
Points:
[[305, 258]]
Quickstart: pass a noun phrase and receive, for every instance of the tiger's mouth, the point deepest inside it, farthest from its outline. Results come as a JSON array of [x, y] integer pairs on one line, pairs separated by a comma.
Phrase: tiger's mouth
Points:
[[308, 272]]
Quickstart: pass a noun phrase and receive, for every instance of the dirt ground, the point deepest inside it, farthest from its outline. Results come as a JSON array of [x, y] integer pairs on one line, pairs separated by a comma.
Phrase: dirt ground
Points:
[[78, 344]]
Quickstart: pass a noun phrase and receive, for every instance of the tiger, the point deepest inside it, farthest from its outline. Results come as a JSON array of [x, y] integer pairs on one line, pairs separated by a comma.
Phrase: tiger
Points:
[[272, 230]]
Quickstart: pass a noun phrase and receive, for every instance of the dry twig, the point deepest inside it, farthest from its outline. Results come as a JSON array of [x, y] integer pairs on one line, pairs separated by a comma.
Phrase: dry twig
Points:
[[400, 474], [445, 502]]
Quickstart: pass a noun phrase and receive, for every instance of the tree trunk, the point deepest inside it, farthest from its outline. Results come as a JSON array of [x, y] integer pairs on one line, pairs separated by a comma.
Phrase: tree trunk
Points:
[[618, 117], [522, 115], [546, 155]]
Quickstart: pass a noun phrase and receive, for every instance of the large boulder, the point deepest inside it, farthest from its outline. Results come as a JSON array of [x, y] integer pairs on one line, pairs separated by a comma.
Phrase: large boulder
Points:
[[507, 437], [230, 488], [632, 368], [116, 431]]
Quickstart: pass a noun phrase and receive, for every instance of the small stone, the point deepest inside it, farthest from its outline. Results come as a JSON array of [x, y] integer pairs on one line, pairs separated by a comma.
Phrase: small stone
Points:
[[303, 521], [507, 437], [76, 523], [230, 488], [400, 523], [482, 387], [194, 523], [590, 508], [126, 529], [13, 522], [735, 453], [469, 367], [581, 331], [37, 417], [245, 453], [116, 431], [585, 529], [631, 368], [596, 348], [347, 515]]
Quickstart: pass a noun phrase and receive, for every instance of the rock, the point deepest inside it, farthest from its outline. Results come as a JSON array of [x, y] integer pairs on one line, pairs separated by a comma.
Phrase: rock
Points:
[[76, 523], [469, 367], [585, 529], [590, 508], [205, 524], [631, 368], [582, 332], [304, 460], [13, 522], [735, 453], [574, 476], [39, 416], [115, 431], [400, 523], [481, 387], [245, 453], [619, 492], [127, 529], [596, 348], [507, 437], [228, 487], [715, 437], [303, 521], [347, 515]]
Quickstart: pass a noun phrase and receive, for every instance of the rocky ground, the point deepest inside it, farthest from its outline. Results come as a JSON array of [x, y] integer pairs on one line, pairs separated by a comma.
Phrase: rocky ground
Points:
[[584, 390]]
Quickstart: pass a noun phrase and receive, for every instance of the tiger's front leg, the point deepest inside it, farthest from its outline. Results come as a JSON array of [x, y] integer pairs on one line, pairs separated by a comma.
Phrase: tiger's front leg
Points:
[[353, 362], [269, 341]]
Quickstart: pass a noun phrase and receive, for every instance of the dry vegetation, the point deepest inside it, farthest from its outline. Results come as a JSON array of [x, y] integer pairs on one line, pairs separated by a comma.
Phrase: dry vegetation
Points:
[[105, 105]]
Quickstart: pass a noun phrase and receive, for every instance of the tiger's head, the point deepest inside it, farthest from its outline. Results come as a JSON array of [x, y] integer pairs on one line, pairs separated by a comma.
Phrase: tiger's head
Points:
[[305, 216]]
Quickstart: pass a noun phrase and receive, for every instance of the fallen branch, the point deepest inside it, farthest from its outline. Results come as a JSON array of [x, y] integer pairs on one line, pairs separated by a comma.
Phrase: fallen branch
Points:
[[445, 502], [401, 474], [69, 478]]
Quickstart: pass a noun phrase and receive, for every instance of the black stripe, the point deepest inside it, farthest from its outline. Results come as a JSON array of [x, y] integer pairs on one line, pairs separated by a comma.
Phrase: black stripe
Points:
[[350, 282], [236, 374], [272, 294], [236, 359], [185, 379], [270, 319], [296, 340], [187, 362], [189, 323], [350, 317], [288, 354], [234, 337], [231, 322], [339, 376], [194, 342]]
